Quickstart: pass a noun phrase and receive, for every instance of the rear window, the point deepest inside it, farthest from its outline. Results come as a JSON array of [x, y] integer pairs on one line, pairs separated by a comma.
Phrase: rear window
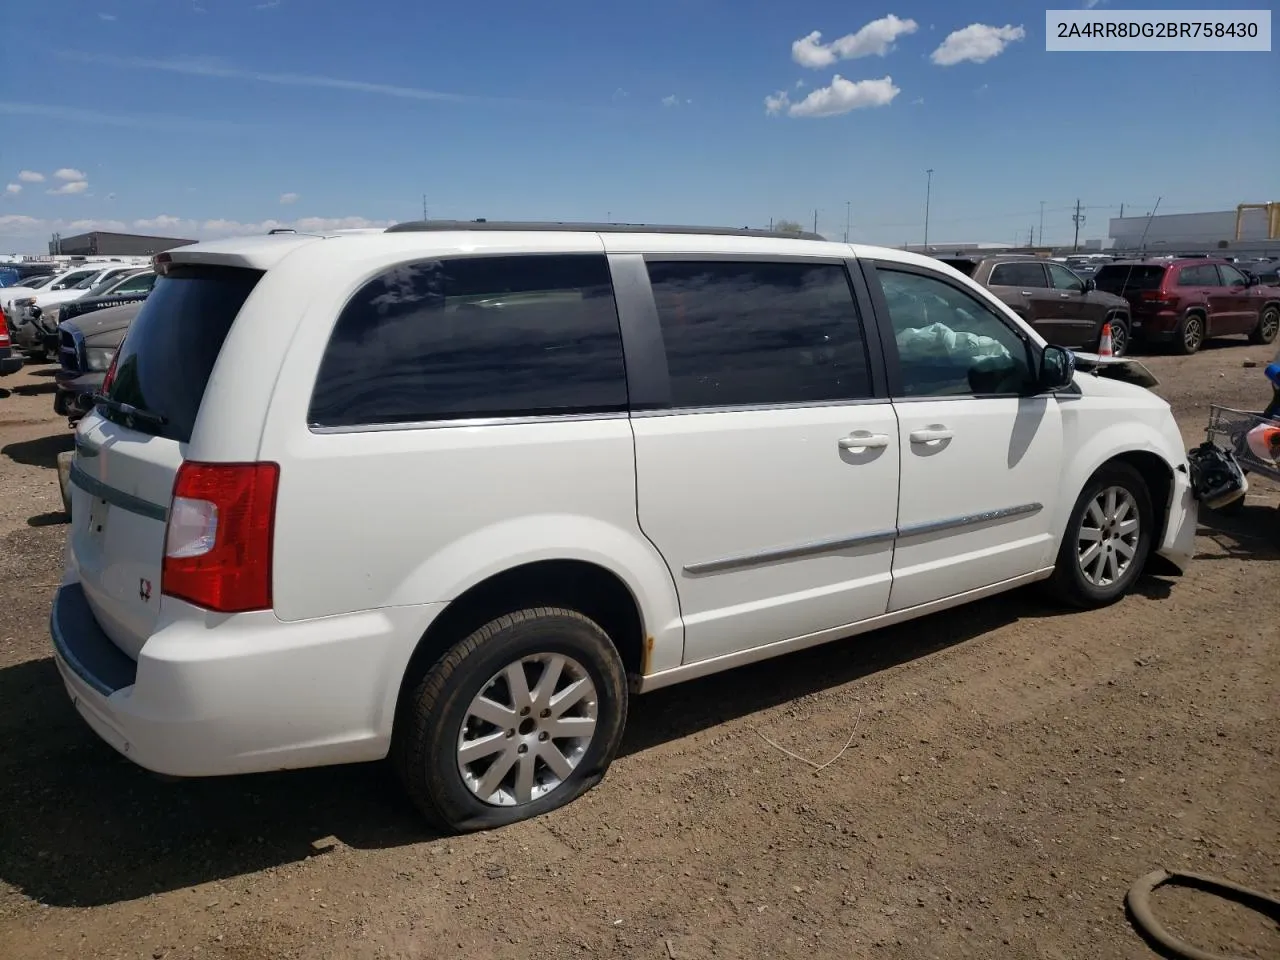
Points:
[[1123, 278], [165, 360], [964, 266]]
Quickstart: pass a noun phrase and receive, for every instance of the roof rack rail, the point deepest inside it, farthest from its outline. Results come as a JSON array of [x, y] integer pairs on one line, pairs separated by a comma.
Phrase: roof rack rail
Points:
[[415, 226]]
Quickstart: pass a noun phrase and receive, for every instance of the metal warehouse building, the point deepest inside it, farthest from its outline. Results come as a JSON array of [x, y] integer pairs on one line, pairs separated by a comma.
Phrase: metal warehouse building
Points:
[[103, 244]]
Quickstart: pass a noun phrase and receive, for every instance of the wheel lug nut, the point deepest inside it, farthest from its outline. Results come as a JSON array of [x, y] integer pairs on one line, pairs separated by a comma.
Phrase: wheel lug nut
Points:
[[544, 736], [544, 714], [523, 748], [524, 711], [510, 734]]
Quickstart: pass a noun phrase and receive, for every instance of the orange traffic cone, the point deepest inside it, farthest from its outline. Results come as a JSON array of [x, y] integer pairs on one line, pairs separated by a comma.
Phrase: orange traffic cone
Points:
[[1104, 344]]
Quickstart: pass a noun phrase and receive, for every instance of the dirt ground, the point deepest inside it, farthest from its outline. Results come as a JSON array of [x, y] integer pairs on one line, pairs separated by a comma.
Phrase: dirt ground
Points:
[[1010, 771]]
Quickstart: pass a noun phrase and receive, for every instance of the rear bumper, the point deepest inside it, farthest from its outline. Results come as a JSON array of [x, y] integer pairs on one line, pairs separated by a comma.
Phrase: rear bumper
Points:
[[214, 695], [10, 364]]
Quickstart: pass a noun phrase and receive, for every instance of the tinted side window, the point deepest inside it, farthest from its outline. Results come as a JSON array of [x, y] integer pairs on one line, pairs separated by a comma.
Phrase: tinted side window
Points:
[[949, 343], [1064, 279], [475, 337], [1018, 275], [1231, 277], [741, 333], [1201, 275]]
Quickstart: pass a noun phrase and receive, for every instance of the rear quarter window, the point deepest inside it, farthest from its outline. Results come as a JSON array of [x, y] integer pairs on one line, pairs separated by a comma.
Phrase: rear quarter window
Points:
[[458, 338], [1121, 279], [164, 363]]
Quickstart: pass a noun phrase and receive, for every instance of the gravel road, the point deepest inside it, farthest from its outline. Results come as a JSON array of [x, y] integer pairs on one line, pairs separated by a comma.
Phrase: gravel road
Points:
[[1009, 770]]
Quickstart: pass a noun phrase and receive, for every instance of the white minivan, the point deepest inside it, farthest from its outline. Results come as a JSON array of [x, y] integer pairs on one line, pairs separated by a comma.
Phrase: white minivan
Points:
[[453, 491]]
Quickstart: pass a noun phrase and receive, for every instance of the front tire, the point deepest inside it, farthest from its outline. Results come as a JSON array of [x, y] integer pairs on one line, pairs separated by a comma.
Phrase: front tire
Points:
[[1188, 337], [521, 717], [1268, 326], [1107, 540], [1121, 341]]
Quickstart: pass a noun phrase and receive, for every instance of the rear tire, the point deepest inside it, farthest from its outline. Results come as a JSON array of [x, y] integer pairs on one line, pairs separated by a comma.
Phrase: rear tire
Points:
[[1102, 556], [518, 725], [1268, 326], [1188, 336]]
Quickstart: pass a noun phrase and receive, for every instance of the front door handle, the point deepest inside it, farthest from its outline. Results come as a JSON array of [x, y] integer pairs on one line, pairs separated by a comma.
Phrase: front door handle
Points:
[[1065, 296], [931, 434], [861, 440], [1026, 293]]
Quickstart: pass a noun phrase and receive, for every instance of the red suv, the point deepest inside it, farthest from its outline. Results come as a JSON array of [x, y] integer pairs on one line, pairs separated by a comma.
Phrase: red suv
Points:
[[1184, 302]]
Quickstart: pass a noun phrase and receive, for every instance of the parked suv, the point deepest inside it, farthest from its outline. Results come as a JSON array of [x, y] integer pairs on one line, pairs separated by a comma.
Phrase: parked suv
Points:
[[1062, 307], [454, 492], [1182, 302]]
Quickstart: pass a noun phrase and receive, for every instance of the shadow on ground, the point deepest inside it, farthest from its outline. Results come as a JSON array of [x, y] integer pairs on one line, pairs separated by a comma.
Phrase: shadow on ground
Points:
[[41, 452], [35, 389], [82, 826], [1252, 532]]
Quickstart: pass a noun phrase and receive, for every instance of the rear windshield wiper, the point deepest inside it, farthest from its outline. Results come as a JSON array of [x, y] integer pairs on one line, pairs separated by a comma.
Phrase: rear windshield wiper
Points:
[[130, 411]]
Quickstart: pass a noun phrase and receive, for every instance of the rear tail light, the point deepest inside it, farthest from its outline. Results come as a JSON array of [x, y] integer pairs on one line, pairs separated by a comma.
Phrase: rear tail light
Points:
[[4, 332], [218, 542], [109, 377], [1156, 297]]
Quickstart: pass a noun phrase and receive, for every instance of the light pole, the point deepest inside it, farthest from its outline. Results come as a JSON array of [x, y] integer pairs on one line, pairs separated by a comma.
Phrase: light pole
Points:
[[848, 214], [928, 192], [1042, 223]]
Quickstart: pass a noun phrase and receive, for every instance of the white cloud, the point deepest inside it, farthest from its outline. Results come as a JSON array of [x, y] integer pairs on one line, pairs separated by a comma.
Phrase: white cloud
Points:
[[842, 96], [874, 39], [288, 198], [670, 101], [917, 101], [70, 188], [620, 94], [12, 188], [30, 176], [110, 226], [111, 196], [977, 42], [69, 173], [800, 84], [9, 221], [162, 222], [106, 16], [777, 103]]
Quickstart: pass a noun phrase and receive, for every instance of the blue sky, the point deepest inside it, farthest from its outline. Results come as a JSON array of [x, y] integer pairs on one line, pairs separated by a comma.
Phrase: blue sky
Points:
[[204, 117]]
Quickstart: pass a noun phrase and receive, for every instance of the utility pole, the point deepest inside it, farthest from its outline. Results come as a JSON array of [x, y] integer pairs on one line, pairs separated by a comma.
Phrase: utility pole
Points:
[[848, 214], [815, 219], [771, 224], [928, 192], [1122, 211], [424, 206], [1079, 218], [1042, 223]]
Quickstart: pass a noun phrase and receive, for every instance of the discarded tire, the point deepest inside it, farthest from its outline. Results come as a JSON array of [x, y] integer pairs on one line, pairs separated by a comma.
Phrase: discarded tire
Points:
[[64, 478]]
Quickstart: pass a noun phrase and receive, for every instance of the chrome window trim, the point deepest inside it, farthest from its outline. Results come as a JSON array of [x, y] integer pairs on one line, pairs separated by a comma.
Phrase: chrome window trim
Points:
[[463, 422], [759, 407], [813, 547]]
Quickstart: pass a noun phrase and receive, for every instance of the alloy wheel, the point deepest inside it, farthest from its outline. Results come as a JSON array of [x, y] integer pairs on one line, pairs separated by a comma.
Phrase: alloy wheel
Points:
[[1270, 324], [1107, 540], [1192, 334], [1119, 339], [527, 729]]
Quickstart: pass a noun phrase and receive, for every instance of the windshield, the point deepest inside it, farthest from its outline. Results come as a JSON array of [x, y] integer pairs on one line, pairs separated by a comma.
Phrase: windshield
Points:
[[8, 277], [87, 283]]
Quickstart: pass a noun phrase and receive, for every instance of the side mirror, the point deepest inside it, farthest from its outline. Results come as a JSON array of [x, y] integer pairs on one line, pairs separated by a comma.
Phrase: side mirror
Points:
[[1057, 369], [1090, 285], [1250, 280]]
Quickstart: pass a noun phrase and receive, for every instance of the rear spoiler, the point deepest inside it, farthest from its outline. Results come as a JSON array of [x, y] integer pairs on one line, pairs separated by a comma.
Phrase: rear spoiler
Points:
[[1117, 368]]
